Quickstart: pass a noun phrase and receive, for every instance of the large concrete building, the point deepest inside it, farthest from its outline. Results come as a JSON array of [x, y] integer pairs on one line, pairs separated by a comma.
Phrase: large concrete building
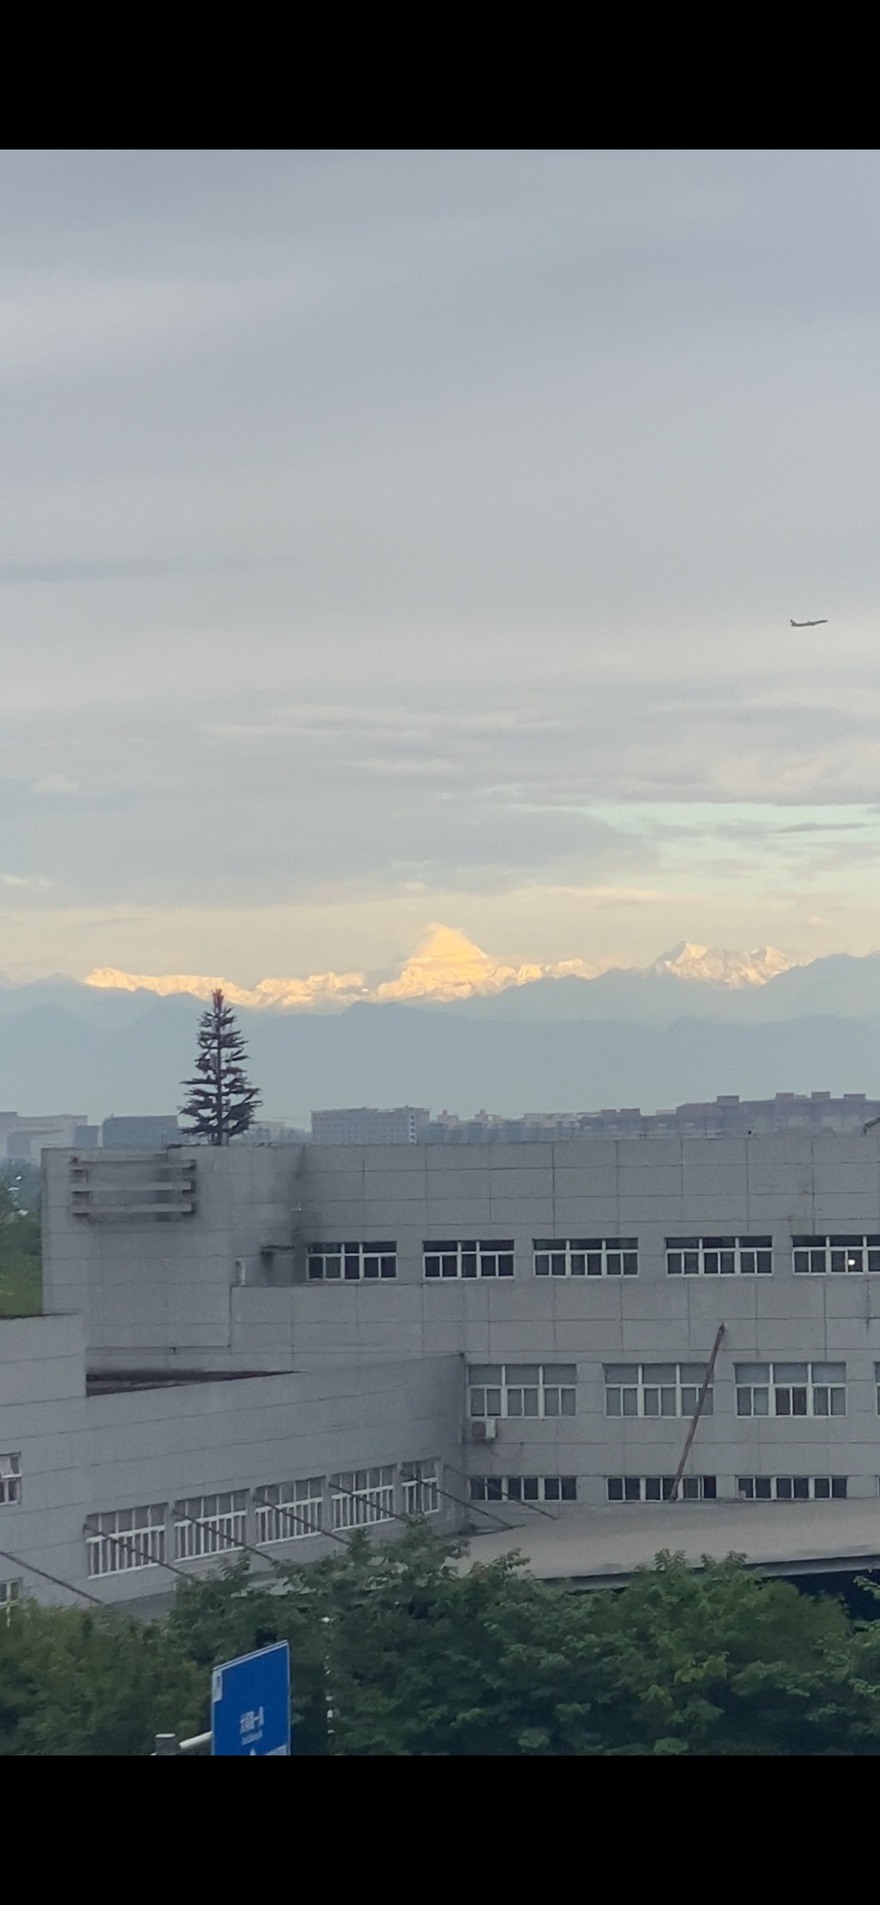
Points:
[[243, 1343], [403, 1124]]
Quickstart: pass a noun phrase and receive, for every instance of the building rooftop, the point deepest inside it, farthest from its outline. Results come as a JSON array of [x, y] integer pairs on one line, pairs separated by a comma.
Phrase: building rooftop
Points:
[[603, 1547]]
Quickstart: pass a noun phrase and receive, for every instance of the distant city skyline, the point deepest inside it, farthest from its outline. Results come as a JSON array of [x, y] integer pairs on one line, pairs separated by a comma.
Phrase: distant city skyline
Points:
[[394, 538]]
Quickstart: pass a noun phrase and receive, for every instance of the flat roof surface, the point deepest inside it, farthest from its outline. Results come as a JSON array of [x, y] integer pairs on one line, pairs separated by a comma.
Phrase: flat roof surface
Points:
[[595, 1547]]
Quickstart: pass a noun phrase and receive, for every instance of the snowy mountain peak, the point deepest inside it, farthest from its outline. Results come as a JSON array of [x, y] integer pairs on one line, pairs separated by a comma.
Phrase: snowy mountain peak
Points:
[[713, 965]]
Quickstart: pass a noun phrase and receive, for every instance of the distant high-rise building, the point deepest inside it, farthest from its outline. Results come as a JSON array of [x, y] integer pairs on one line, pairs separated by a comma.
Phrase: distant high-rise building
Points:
[[140, 1134], [402, 1125], [25, 1138]]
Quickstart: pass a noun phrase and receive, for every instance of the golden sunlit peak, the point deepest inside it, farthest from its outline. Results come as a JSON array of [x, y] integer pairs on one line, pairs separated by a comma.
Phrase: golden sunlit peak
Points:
[[451, 966], [447, 966]]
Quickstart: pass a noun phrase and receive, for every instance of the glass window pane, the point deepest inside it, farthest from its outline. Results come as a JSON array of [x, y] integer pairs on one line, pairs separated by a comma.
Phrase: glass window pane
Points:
[[790, 1372]]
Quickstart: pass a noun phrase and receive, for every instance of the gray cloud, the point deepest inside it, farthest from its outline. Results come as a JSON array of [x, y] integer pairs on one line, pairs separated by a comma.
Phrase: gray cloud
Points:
[[379, 522]]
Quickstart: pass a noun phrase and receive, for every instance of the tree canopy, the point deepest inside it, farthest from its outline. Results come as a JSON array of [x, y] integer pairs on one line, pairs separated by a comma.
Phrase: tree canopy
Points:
[[220, 1103], [396, 1653]]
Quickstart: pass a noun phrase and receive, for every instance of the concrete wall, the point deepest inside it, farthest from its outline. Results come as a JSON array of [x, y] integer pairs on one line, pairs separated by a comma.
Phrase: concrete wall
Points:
[[170, 1293], [84, 1456]]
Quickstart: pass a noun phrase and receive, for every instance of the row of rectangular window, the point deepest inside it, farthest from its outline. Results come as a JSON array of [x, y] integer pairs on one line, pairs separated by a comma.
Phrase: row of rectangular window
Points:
[[128, 1538], [752, 1488], [595, 1257], [659, 1389], [658, 1488], [523, 1488]]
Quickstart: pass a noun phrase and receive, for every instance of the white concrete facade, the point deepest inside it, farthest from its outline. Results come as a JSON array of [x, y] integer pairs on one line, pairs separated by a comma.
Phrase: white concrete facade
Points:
[[201, 1263]]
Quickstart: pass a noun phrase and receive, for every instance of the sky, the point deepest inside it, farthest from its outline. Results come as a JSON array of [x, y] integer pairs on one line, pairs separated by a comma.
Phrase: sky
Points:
[[402, 540]]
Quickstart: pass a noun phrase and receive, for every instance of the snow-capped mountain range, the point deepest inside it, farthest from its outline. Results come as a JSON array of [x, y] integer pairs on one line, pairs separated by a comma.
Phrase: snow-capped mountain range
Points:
[[450, 967]]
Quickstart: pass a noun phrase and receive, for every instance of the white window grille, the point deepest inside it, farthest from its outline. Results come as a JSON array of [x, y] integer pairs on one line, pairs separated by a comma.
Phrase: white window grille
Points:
[[351, 1263], [493, 1259], [361, 1497], [10, 1597], [719, 1256], [658, 1488], [420, 1491], [523, 1488], [125, 1539], [10, 1479], [655, 1389], [522, 1389], [286, 1511], [837, 1255], [791, 1488], [586, 1257], [791, 1389], [209, 1524]]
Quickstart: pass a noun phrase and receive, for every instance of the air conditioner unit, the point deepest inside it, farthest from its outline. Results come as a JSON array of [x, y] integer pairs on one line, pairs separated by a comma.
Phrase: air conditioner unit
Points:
[[484, 1430]]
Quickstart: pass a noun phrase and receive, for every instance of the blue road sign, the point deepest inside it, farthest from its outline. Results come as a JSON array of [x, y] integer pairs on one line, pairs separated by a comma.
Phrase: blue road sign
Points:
[[250, 1704]]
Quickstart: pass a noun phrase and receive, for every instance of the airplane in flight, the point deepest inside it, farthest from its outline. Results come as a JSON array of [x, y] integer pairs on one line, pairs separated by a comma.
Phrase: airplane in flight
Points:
[[820, 623]]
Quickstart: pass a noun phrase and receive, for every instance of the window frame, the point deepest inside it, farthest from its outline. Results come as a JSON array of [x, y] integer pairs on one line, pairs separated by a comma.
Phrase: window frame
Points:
[[357, 1262], [831, 1244], [288, 1511], [685, 1392], [658, 1488], [806, 1397], [468, 1260], [193, 1531], [526, 1489], [544, 1409], [705, 1256], [126, 1549], [11, 1485], [586, 1256], [347, 1497], [766, 1488], [422, 1486]]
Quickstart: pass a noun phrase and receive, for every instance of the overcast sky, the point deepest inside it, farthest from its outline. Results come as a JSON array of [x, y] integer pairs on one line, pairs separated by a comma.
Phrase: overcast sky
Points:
[[395, 538]]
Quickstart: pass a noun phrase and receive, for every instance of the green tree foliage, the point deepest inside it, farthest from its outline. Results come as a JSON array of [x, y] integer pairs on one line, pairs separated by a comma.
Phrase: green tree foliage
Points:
[[20, 1250], [220, 1103], [97, 1684], [395, 1652]]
